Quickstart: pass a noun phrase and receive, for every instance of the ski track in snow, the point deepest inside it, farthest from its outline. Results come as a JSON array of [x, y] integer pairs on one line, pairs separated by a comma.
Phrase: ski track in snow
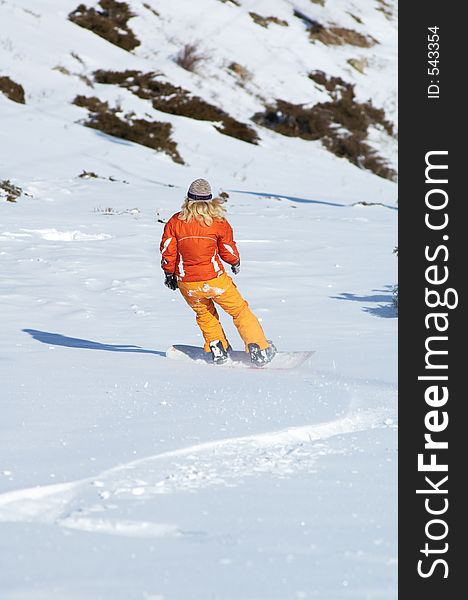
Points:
[[226, 462]]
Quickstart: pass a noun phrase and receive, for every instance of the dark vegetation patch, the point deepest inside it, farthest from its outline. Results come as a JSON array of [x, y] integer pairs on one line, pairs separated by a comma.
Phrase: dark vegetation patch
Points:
[[352, 115], [341, 124], [92, 103], [92, 175], [9, 191], [176, 101], [385, 8], [110, 23], [334, 36], [335, 85], [340, 36], [190, 57], [112, 121], [265, 21], [12, 90], [235, 2], [366, 203], [88, 175]]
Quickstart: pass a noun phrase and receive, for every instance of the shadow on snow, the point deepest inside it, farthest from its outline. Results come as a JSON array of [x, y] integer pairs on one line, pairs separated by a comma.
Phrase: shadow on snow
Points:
[[312, 201], [292, 198], [385, 310], [57, 339]]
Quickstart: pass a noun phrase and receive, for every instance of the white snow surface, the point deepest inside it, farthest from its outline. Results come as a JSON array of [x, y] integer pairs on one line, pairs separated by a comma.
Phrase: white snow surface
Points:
[[128, 476]]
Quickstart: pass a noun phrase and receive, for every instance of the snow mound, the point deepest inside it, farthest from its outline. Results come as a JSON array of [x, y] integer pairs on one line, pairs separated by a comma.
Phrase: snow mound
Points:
[[67, 236]]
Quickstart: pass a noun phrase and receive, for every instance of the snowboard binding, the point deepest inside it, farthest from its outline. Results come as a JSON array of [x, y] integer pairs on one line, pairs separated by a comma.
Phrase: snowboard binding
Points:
[[261, 357], [218, 353]]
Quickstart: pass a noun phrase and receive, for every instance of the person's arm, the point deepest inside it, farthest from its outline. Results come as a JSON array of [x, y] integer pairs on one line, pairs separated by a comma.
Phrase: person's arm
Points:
[[227, 247], [168, 249]]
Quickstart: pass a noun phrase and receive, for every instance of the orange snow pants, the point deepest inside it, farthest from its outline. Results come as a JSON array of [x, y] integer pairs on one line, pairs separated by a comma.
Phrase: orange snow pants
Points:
[[201, 296]]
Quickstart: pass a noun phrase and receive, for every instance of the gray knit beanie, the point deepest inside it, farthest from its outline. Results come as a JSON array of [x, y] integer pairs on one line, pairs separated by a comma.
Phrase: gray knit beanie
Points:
[[199, 191]]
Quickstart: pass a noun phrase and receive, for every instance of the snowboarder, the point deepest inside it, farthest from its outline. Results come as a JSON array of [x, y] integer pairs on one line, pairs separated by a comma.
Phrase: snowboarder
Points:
[[192, 246]]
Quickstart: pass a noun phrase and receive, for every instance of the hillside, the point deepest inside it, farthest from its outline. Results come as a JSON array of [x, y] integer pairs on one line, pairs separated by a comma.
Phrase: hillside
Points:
[[245, 69]]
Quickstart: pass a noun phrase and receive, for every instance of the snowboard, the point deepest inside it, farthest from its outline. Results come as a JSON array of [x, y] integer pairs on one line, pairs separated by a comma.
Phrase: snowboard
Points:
[[237, 359]]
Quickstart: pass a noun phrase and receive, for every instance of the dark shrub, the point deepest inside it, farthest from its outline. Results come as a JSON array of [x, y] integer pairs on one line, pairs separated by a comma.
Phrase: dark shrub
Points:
[[110, 23], [340, 36], [176, 101], [152, 134], [9, 191], [335, 85], [12, 90], [190, 58], [265, 21], [341, 124], [333, 36]]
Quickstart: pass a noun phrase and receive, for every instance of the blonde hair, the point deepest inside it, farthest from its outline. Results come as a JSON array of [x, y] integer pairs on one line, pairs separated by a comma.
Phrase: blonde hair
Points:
[[203, 212]]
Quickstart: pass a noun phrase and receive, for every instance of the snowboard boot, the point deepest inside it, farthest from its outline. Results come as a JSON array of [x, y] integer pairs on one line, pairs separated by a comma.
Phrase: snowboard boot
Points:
[[261, 357], [218, 352]]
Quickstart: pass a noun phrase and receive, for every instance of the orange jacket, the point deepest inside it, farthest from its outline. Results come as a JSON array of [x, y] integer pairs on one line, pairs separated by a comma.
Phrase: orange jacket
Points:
[[192, 250]]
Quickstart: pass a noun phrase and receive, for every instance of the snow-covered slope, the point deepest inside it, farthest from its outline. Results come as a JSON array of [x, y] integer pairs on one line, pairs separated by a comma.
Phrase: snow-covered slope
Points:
[[54, 60], [124, 475]]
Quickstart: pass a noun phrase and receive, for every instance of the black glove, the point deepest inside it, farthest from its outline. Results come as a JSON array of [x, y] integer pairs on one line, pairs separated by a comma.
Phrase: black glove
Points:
[[235, 268], [171, 281]]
